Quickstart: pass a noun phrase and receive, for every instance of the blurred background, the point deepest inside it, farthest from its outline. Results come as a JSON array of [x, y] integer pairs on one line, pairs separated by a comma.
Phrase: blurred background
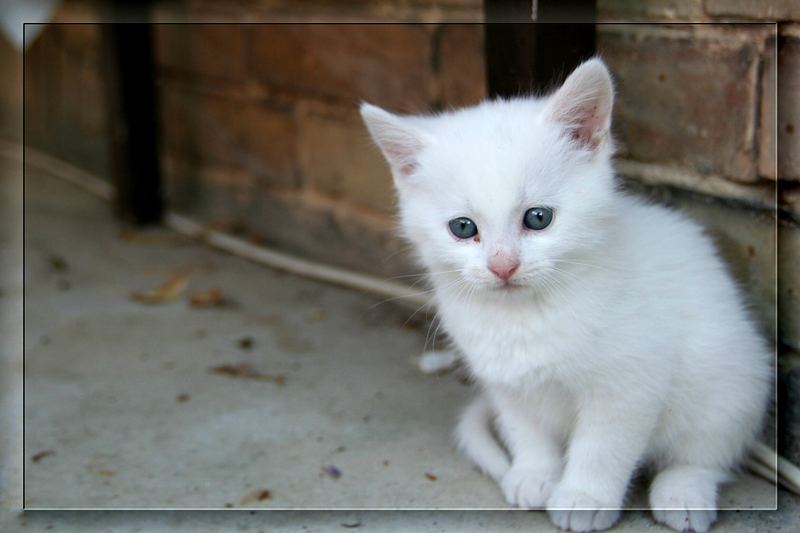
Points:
[[254, 131]]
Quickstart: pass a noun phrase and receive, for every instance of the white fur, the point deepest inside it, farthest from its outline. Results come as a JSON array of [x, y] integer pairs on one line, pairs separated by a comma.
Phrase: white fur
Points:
[[622, 339], [437, 361]]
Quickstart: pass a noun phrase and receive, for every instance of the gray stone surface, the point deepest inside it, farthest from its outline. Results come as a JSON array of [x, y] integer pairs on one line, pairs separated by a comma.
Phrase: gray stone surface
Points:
[[104, 376], [784, 520], [10, 335]]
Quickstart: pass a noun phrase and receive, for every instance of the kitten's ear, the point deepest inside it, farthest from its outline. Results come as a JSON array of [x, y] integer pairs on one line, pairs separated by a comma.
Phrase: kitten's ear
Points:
[[583, 104], [400, 142]]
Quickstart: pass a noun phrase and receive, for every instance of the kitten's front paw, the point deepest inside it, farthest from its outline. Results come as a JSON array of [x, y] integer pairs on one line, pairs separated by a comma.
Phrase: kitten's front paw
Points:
[[527, 487], [698, 520], [576, 511], [684, 502], [684, 511]]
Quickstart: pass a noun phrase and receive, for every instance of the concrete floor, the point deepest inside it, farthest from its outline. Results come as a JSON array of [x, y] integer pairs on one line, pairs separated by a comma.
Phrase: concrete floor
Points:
[[122, 394]]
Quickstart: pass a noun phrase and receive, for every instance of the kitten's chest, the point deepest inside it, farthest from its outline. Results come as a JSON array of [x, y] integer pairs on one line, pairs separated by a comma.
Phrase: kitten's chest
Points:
[[508, 345]]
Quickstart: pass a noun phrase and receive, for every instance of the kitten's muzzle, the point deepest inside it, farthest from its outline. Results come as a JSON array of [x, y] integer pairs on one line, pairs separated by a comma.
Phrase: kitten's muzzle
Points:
[[503, 267]]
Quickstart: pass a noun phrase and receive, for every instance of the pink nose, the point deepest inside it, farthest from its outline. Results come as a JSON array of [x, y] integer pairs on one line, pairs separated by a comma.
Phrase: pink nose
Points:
[[503, 268]]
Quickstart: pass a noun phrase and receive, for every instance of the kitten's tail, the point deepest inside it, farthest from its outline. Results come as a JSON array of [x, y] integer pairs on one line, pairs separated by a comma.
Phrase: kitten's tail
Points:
[[475, 439]]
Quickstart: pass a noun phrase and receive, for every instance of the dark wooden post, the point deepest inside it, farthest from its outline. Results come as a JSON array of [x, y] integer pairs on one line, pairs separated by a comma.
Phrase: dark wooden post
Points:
[[531, 45], [133, 115]]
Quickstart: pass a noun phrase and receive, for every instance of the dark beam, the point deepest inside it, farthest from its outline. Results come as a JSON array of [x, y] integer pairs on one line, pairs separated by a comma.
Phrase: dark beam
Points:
[[133, 121], [529, 51]]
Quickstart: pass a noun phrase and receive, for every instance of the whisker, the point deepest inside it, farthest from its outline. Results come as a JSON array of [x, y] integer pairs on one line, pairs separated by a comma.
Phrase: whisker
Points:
[[593, 265], [424, 274]]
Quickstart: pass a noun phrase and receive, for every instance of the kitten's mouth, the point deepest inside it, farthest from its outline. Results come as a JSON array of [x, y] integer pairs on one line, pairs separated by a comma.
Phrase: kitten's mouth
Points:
[[507, 286]]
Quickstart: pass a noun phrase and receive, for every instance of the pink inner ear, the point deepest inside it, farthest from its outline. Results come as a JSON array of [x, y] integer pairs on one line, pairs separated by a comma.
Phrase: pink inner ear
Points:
[[403, 156], [407, 170], [583, 105], [589, 128]]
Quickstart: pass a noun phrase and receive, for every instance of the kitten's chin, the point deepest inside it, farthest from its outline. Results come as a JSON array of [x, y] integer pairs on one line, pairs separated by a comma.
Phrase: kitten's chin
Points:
[[509, 287]]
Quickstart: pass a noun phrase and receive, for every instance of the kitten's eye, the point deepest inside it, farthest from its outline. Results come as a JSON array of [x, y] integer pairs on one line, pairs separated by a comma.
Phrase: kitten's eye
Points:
[[463, 228], [537, 218]]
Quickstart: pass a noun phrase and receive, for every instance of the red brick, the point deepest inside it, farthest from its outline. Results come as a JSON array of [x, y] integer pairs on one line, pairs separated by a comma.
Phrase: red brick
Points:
[[329, 234], [72, 91], [321, 11], [319, 230], [216, 51], [789, 110], [767, 116], [337, 159], [93, 98], [83, 110], [755, 9], [389, 65], [462, 65], [80, 11], [649, 10], [686, 96], [215, 191], [213, 128], [11, 91], [81, 39], [43, 79]]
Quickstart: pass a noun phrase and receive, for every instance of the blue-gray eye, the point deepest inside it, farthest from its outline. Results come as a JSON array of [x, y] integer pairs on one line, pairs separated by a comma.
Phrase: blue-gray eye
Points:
[[463, 228], [537, 218]]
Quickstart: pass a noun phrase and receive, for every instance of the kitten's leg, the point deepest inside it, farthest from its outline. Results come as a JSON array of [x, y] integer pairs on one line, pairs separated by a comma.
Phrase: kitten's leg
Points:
[[536, 455], [684, 497], [608, 440], [475, 440]]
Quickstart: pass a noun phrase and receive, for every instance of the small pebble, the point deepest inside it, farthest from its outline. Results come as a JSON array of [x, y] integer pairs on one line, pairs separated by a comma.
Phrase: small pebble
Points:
[[332, 471]]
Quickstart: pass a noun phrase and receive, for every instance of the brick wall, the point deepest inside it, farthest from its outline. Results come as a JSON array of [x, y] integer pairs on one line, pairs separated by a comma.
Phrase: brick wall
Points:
[[265, 116], [260, 131], [64, 90]]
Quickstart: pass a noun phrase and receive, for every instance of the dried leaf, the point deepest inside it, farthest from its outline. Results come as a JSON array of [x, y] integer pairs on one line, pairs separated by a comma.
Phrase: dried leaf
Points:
[[210, 298], [246, 371], [182, 397], [41, 455], [256, 496], [430, 476], [171, 290], [58, 263]]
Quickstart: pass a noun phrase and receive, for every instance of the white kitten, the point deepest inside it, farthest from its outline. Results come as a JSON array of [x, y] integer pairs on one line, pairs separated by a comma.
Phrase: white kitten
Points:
[[606, 333]]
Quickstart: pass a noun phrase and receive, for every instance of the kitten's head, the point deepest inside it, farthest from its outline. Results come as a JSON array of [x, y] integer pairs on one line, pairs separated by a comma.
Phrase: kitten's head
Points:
[[503, 196]]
